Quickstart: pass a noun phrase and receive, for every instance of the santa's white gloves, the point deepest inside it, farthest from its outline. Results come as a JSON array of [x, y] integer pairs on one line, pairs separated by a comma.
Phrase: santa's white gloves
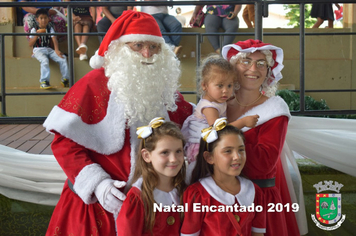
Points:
[[109, 196], [195, 128]]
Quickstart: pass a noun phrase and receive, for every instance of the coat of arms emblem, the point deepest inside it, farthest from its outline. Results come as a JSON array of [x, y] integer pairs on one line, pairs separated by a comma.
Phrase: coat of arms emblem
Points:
[[328, 206]]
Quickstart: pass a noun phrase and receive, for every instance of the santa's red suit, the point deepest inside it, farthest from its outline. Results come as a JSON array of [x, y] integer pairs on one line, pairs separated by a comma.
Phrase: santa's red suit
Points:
[[91, 136]]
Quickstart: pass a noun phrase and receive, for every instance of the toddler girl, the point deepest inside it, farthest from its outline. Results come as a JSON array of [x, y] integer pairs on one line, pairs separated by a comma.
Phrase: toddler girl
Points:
[[218, 80], [216, 184], [158, 181]]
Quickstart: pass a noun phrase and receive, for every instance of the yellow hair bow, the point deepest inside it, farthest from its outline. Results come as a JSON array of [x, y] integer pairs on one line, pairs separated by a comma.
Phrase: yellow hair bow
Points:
[[145, 131], [210, 134]]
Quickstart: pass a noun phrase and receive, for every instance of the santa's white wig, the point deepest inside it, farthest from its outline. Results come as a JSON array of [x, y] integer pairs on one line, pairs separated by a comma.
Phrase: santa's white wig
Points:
[[144, 85]]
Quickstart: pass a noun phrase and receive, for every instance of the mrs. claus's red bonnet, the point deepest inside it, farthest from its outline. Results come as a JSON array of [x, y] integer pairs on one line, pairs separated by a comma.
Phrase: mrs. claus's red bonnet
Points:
[[251, 46]]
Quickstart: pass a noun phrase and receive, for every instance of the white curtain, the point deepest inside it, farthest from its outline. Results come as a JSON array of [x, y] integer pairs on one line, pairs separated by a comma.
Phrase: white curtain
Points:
[[332, 142]]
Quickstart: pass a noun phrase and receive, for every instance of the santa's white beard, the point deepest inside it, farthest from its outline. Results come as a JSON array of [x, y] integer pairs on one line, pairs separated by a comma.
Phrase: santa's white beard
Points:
[[144, 89]]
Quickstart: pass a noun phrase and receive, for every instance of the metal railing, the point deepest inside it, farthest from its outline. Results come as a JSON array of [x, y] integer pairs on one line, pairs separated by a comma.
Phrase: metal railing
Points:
[[261, 10]]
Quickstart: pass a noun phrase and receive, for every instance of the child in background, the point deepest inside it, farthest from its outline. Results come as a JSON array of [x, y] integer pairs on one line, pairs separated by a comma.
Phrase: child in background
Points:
[[43, 52], [82, 23], [216, 182], [158, 179], [218, 80]]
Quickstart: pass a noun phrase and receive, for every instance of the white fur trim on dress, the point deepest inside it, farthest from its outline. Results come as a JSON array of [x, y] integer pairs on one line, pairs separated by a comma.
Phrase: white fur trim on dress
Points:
[[139, 38], [273, 107], [87, 180], [106, 137]]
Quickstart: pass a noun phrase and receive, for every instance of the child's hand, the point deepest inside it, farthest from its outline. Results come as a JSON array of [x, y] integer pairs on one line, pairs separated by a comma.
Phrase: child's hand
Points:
[[76, 18], [41, 31], [59, 53], [251, 121]]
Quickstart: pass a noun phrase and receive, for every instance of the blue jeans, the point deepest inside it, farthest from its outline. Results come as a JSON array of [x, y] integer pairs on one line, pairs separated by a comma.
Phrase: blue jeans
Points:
[[212, 25], [43, 55], [169, 24]]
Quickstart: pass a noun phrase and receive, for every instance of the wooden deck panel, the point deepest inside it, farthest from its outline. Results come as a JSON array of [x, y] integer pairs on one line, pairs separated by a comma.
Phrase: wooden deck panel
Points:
[[31, 138]]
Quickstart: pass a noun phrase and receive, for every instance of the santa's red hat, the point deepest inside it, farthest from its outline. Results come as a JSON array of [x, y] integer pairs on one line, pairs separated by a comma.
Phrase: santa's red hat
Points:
[[251, 46], [131, 26]]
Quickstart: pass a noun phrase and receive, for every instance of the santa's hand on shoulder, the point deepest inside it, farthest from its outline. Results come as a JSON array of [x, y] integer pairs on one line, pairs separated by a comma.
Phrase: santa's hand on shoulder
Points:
[[109, 196]]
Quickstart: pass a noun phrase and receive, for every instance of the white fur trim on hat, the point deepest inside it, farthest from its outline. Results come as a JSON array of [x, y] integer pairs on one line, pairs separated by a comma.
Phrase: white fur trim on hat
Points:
[[96, 61], [140, 38]]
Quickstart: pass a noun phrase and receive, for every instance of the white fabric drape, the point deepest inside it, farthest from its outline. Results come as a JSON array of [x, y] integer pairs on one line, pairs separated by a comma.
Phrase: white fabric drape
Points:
[[331, 142]]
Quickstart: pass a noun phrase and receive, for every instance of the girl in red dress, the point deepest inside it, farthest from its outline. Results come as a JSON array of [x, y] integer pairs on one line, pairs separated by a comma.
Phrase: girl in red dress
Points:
[[152, 204], [219, 201]]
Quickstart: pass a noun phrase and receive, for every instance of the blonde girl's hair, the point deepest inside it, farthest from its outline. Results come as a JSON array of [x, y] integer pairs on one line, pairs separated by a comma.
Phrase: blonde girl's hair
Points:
[[212, 63], [202, 168], [268, 90], [149, 175]]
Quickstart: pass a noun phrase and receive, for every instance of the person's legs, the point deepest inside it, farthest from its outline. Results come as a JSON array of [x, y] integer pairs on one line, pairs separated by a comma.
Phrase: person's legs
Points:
[[212, 24], [251, 13], [63, 66], [330, 23], [78, 29], [102, 27], [174, 26], [245, 16], [230, 26], [159, 17], [42, 56], [318, 22], [84, 39]]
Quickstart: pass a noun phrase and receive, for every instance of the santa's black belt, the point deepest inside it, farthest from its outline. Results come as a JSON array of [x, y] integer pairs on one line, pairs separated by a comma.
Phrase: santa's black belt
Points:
[[265, 183], [70, 185]]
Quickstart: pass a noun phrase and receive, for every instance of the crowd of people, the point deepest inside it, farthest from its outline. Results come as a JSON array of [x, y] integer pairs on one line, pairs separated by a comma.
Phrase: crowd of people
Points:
[[85, 20], [123, 147]]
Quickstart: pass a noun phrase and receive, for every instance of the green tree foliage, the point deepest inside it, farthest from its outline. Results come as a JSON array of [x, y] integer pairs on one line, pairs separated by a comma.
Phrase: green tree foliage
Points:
[[293, 15]]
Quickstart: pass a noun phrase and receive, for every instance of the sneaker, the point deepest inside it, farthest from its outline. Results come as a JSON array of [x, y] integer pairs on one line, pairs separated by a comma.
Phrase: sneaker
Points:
[[65, 82], [45, 85], [83, 57], [82, 49]]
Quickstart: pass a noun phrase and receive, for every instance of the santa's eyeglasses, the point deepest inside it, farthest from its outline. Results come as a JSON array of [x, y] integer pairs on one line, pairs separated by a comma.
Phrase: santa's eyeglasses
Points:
[[139, 46]]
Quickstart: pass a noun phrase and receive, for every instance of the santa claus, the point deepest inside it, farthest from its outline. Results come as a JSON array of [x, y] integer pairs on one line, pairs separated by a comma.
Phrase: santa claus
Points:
[[95, 124]]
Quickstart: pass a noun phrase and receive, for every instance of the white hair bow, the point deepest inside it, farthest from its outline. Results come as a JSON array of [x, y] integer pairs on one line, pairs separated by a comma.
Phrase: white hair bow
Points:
[[210, 134], [145, 131]]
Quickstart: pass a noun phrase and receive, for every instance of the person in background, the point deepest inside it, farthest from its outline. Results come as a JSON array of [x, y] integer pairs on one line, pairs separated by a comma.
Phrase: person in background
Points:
[[167, 23], [56, 18], [180, 17], [111, 13], [96, 143], [43, 52], [219, 16], [322, 12], [158, 180], [249, 15], [82, 23]]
